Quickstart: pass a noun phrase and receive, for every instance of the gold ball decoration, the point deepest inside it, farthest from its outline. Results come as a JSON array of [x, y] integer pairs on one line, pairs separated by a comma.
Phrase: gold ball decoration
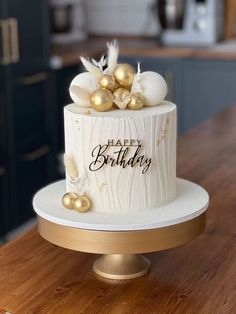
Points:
[[107, 82], [82, 204], [124, 75], [68, 200], [136, 102], [101, 100]]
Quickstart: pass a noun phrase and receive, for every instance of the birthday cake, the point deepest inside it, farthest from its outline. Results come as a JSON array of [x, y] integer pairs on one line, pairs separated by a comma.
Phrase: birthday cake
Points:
[[120, 139]]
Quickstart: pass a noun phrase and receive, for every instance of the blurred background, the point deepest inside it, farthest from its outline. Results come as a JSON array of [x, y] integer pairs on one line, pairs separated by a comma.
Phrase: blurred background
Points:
[[192, 43]]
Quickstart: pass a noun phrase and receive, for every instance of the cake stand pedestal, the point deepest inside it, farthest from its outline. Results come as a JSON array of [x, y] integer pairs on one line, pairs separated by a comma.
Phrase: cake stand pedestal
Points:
[[122, 237]]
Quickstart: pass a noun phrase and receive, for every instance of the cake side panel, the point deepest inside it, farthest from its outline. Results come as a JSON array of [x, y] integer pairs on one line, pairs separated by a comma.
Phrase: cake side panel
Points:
[[112, 187]]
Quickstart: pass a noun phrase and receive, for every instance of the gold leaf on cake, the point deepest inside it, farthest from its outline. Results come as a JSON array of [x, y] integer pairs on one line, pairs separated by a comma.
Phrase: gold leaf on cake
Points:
[[70, 166], [121, 97], [102, 186], [163, 132]]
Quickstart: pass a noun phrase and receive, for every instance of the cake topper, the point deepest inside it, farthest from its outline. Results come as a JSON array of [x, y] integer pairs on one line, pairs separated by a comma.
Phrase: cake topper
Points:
[[109, 85]]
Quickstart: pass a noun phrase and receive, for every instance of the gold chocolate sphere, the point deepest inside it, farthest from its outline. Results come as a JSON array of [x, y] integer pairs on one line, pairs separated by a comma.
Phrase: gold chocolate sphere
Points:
[[82, 204], [68, 200], [124, 75], [136, 102], [101, 100], [107, 82]]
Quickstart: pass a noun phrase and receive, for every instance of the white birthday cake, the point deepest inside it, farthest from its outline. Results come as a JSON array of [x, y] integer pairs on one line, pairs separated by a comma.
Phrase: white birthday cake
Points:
[[120, 139]]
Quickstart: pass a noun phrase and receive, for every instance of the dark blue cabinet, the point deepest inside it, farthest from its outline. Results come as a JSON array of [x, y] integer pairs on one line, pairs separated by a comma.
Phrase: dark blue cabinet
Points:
[[208, 87], [28, 114], [29, 36], [199, 87]]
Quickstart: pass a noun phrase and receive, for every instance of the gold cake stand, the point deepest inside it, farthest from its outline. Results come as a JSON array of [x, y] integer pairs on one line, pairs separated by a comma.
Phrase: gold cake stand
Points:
[[129, 263], [122, 239]]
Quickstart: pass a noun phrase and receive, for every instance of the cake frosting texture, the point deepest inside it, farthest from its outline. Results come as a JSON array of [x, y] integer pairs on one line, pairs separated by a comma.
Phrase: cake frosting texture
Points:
[[126, 159]]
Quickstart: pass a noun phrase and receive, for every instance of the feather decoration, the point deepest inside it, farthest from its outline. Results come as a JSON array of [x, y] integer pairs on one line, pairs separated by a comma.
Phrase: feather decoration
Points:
[[70, 167], [112, 56], [136, 88], [94, 70], [80, 92], [101, 63]]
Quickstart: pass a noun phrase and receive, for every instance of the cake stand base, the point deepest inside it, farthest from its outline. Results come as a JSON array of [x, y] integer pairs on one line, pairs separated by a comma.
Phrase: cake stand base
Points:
[[122, 238], [121, 266]]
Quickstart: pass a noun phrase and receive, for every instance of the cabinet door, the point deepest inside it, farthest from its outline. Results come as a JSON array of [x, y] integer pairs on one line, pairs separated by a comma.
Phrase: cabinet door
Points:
[[29, 35], [31, 174], [29, 102], [209, 87]]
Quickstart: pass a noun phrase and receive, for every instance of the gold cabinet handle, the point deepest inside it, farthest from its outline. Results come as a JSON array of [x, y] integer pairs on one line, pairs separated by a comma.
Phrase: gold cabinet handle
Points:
[[14, 40], [169, 76], [4, 27], [36, 154], [2, 171], [34, 79]]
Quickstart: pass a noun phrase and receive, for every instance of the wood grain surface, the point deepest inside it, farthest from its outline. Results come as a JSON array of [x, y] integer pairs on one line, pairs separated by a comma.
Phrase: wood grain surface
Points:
[[200, 277], [94, 47], [230, 18]]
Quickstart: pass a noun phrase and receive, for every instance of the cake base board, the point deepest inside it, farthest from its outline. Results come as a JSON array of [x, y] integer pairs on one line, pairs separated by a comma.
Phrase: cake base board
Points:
[[191, 201]]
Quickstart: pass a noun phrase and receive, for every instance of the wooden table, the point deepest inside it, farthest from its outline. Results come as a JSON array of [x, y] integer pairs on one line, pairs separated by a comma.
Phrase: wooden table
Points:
[[38, 277]]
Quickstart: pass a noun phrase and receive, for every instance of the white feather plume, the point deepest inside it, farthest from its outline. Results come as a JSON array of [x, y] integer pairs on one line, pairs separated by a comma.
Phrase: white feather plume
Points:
[[136, 87], [112, 56], [80, 92], [94, 70]]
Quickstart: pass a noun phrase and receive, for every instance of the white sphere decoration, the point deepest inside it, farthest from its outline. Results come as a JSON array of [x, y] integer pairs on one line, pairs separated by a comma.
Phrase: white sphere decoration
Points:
[[154, 88], [86, 81]]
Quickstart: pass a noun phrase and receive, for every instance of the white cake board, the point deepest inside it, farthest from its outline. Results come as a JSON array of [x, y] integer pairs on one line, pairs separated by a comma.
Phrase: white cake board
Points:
[[190, 202]]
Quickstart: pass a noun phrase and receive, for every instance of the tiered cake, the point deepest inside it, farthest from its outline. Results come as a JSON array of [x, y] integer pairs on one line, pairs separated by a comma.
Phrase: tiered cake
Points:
[[120, 139]]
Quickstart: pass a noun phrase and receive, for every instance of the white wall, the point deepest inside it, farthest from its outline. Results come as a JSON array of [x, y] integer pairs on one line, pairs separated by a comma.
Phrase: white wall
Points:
[[130, 17]]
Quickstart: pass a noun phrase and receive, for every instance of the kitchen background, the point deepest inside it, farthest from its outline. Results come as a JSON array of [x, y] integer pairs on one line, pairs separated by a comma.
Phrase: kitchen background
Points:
[[190, 42]]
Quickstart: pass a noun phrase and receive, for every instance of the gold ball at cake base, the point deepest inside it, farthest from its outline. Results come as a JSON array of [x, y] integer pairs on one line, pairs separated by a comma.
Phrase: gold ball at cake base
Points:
[[82, 204], [101, 100], [136, 102], [124, 75], [107, 82], [68, 200]]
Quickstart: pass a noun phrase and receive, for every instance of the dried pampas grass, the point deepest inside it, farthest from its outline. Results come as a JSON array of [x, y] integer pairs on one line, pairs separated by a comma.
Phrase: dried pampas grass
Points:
[[112, 56], [71, 168]]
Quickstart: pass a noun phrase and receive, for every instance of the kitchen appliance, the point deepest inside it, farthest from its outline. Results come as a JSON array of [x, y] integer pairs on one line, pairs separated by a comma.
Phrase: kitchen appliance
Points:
[[191, 22], [68, 21]]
